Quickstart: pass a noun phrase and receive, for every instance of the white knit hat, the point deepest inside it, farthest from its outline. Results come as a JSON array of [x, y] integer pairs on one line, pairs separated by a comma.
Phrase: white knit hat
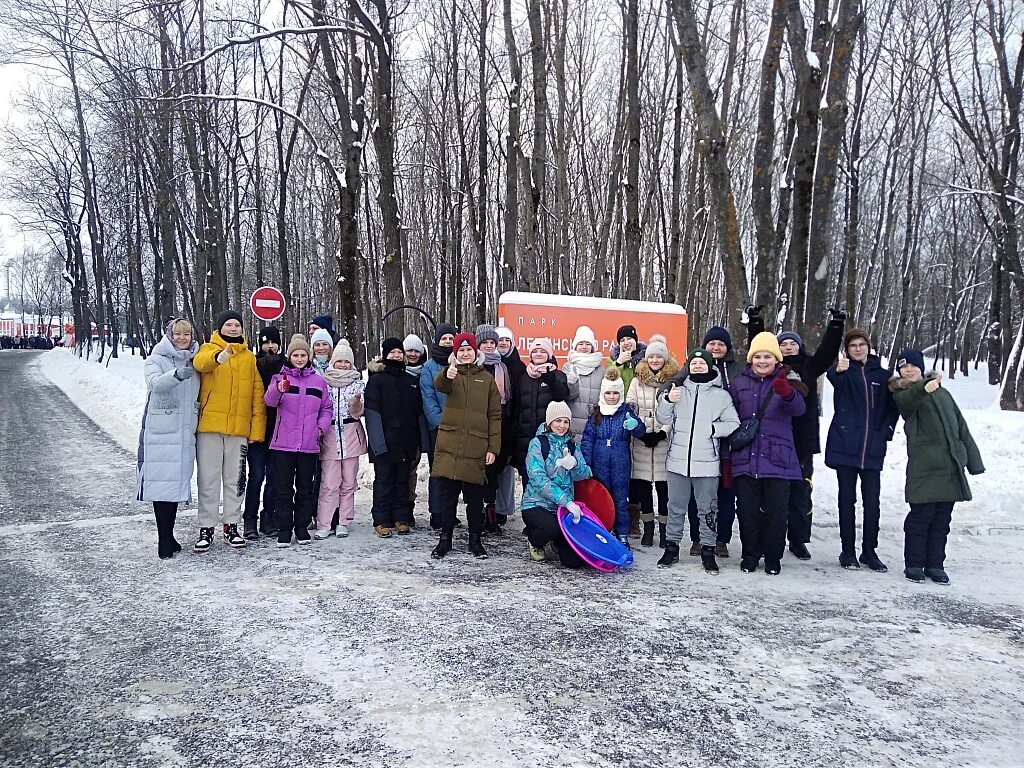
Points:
[[412, 341], [321, 334], [505, 333], [557, 409], [585, 333]]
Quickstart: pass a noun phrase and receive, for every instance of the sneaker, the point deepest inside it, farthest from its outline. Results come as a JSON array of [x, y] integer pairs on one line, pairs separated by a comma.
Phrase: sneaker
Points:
[[402, 529], [383, 531], [848, 560], [870, 559], [322, 535], [624, 541], [721, 549], [695, 549], [670, 556], [773, 568], [537, 555], [914, 574], [937, 575], [232, 537], [800, 551], [748, 565], [205, 540], [707, 560], [282, 544], [342, 532], [302, 536]]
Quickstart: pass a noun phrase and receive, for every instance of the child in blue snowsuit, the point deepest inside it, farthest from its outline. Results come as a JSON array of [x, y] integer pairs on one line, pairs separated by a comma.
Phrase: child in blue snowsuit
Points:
[[606, 446]]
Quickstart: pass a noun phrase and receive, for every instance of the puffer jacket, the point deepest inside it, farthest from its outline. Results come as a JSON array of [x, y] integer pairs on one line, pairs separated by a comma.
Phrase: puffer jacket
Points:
[[626, 369], [470, 425], [269, 363], [773, 452], [548, 486], [303, 412], [533, 396], [939, 444], [649, 463], [700, 420], [728, 367], [346, 438], [230, 395], [584, 393], [433, 401], [865, 416], [606, 449], [395, 427], [167, 440]]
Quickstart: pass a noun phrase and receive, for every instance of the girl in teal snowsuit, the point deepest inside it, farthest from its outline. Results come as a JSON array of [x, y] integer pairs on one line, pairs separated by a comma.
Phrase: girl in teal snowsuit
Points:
[[606, 447]]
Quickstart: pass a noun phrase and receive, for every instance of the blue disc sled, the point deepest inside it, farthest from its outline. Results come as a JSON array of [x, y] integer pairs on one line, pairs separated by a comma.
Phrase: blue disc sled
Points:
[[593, 542]]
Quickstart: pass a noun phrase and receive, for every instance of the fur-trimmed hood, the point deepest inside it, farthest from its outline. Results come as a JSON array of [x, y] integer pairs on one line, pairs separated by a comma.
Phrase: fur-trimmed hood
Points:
[[898, 383], [643, 373]]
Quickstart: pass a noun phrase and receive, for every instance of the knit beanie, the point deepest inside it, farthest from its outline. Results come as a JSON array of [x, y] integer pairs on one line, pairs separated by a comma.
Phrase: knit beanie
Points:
[[390, 344], [486, 332], [717, 333], [442, 329], [627, 331], [323, 321], [910, 356], [612, 382], [704, 355], [791, 336], [505, 333], [656, 346], [343, 352], [557, 409], [298, 342], [271, 333], [464, 340], [321, 334], [764, 342], [543, 343], [412, 341], [584, 333], [223, 317], [857, 333]]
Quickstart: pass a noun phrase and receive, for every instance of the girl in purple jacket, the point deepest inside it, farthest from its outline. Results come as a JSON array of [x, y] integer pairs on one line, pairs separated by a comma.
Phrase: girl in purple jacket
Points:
[[762, 471], [303, 417]]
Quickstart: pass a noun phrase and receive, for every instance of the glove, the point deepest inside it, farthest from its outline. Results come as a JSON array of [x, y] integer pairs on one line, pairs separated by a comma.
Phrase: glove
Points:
[[839, 314], [567, 461], [782, 387], [574, 511], [223, 356], [651, 439], [181, 374], [752, 312], [629, 423], [675, 394]]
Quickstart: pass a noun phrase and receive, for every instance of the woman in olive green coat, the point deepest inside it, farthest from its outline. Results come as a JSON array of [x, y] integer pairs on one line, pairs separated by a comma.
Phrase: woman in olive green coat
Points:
[[468, 440], [939, 448]]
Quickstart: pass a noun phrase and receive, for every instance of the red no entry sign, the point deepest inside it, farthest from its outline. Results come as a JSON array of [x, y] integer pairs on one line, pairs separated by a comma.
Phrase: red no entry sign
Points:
[[267, 303]]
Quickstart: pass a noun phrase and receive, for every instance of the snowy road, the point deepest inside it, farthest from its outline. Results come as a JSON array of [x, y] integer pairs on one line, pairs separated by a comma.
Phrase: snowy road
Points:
[[366, 653]]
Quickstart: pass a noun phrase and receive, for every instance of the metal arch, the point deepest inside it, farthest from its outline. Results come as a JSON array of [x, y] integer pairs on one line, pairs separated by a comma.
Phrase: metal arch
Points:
[[401, 307]]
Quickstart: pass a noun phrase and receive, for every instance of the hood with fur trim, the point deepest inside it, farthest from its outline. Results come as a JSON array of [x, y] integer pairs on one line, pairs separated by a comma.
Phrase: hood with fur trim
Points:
[[643, 373], [897, 382]]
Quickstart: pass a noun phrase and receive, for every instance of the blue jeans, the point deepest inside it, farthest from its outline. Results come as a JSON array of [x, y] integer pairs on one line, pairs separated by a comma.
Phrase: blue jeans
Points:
[[261, 474]]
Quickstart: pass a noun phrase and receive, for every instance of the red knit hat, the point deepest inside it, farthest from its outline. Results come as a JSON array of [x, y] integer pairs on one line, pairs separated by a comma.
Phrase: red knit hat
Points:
[[464, 338]]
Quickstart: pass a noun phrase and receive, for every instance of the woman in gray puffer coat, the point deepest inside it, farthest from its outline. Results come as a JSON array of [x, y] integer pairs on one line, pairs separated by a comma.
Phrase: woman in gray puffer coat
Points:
[[584, 372], [167, 441]]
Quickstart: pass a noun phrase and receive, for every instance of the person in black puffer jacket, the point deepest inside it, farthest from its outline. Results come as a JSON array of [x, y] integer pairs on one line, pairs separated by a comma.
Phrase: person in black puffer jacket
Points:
[[396, 432], [269, 361], [542, 383]]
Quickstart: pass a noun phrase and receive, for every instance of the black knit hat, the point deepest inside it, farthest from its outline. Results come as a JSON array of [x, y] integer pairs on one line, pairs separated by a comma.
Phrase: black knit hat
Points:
[[717, 333], [227, 314], [627, 331], [390, 344], [442, 329], [270, 333]]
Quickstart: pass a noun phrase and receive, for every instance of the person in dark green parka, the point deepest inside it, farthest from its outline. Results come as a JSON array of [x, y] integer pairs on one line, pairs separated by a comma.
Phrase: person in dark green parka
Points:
[[939, 448]]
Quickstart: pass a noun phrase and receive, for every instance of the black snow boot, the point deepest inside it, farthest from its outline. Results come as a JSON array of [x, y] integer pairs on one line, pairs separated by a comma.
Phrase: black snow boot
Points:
[[444, 546], [799, 551], [477, 547], [661, 535], [870, 559], [707, 559], [937, 575], [914, 574], [166, 545], [647, 540], [249, 530], [670, 556], [848, 560]]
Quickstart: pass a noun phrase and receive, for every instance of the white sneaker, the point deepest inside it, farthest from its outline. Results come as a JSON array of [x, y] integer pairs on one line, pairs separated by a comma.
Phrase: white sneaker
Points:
[[342, 532], [283, 544], [321, 535]]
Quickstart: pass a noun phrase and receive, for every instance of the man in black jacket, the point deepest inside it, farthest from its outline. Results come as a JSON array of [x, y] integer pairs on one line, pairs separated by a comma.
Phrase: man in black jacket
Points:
[[269, 361]]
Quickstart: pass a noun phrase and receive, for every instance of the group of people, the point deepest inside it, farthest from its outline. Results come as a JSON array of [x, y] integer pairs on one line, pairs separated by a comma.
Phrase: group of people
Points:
[[27, 342], [691, 447]]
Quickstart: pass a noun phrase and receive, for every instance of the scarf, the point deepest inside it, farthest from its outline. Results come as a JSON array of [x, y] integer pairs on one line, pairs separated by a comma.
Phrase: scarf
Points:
[[609, 410], [536, 371], [339, 379], [439, 354], [585, 363], [233, 339], [413, 370], [493, 360], [704, 378]]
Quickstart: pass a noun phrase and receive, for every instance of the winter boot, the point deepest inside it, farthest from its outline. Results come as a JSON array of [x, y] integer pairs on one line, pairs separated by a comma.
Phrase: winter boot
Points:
[[634, 521], [748, 564], [661, 535], [624, 541], [166, 545], [536, 554], [721, 549], [670, 555], [491, 520], [383, 531], [402, 529], [799, 551], [444, 546], [477, 547], [302, 535], [205, 540], [848, 560], [267, 527], [694, 549], [249, 530], [937, 575], [648, 538], [772, 567], [914, 574], [707, 559], [870, 559], [232, 536]]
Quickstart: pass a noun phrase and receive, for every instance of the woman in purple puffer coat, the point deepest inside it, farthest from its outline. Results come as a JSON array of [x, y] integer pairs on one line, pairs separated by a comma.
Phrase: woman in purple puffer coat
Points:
[[303, 417], [762, 471]]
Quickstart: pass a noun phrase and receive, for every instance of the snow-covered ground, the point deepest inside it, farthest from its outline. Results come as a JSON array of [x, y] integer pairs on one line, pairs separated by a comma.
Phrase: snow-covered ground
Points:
[[381, 657]]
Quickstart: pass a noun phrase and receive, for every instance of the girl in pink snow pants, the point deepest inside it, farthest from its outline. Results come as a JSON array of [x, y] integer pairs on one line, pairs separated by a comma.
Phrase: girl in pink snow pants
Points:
[[343, 444]]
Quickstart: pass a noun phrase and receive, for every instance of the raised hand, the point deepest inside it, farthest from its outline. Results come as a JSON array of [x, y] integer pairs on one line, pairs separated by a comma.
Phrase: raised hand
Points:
[[567, 461], [453, 371], [223, 356], [843, 363], [675, 394]]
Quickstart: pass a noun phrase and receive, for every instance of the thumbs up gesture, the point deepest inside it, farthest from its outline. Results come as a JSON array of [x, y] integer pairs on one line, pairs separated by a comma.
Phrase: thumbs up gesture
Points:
[[933, 383], [453, 371], [675, 394], [843, 364], [567, 461]]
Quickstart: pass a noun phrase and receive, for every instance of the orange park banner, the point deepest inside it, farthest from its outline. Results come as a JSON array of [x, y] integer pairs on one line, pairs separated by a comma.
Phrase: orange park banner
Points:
[[535, 315]]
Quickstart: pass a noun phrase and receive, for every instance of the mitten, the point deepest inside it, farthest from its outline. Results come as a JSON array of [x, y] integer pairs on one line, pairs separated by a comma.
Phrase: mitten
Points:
[[629, 423], [782, 387], [567, 461], [574, 511]]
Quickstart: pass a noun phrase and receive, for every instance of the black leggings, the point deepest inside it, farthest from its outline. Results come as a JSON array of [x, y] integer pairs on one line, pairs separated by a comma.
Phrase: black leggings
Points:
[[542, 527]]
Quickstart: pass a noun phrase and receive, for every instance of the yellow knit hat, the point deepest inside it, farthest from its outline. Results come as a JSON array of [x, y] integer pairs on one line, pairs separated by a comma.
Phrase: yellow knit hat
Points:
[[765, 342]]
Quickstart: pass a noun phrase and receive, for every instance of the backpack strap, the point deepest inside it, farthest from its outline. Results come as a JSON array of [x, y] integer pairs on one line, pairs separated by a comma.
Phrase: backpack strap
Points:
[[545, 445]]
